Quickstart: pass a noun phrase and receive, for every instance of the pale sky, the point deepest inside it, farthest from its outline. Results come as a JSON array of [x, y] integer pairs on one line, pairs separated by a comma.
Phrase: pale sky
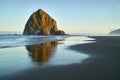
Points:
[[73, 16]]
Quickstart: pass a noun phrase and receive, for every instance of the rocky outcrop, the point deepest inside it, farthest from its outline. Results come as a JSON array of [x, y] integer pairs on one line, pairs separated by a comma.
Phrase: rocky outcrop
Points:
[[115, 32], [40, 23], [60, 32]]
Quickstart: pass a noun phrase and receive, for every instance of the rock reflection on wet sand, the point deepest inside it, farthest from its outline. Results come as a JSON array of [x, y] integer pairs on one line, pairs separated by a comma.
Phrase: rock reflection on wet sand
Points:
[[41, 53]]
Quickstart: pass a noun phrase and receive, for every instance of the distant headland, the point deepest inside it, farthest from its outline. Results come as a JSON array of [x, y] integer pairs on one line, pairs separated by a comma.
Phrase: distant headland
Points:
[[115, 32], [40, 23]]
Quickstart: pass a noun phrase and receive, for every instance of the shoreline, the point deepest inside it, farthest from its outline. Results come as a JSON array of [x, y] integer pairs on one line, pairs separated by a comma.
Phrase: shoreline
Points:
[[102, 65], [105, 57]]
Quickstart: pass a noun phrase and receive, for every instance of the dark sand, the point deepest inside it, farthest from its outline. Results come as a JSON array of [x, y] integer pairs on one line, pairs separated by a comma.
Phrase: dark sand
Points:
[[104, 63]]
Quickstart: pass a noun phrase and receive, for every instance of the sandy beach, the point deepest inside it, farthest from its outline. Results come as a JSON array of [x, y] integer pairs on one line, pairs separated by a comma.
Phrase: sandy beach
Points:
[[60, 40], [102, 65]]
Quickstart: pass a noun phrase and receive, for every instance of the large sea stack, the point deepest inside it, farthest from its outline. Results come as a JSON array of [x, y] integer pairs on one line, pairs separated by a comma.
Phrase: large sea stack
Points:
[[40, 23]]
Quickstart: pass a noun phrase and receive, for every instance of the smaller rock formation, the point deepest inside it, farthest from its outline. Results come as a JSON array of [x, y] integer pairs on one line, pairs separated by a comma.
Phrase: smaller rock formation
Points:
[[60, 32], [40, 23], [115, 32]]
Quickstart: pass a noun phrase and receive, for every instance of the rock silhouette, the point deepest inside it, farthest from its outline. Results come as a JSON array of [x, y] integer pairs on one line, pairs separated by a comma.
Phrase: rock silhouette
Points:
[[40, 23], [115, 32]]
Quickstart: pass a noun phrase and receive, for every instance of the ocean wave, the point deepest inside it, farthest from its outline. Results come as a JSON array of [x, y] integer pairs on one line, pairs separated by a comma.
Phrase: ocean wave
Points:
[[12, 40]]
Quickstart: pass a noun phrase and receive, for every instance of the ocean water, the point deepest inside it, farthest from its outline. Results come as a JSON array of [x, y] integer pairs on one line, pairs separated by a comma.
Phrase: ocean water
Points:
[[12, 40], [20, 53]]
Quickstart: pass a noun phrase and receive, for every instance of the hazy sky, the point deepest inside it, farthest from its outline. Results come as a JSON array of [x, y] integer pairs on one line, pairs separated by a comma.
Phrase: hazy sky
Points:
[[73, 16]]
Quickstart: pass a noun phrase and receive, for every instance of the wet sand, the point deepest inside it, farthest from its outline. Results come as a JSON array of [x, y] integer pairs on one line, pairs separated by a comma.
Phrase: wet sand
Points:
[[102, 65]]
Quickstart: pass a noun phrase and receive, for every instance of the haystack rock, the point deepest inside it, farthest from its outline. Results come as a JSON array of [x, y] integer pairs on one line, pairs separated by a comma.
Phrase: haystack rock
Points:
[[40, 23]]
